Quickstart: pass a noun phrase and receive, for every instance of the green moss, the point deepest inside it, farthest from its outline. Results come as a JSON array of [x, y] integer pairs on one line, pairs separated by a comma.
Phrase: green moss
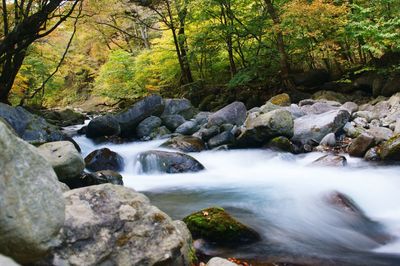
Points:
[[216, 225]]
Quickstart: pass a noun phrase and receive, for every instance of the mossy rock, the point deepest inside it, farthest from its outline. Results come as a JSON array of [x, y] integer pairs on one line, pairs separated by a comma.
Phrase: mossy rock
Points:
[[216, 226], [280, 144], [185, 144], [281, 100], [390, 150]]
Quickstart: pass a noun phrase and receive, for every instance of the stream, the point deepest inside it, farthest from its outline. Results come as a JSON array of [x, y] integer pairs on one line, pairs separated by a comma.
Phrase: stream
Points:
[[282, 197]]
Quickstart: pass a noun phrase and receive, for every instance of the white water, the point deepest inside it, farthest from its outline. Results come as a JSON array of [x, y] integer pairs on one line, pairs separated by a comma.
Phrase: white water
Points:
[[281, 196]]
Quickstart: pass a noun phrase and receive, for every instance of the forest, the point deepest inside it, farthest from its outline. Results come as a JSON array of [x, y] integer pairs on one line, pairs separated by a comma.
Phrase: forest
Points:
[[121, 51]]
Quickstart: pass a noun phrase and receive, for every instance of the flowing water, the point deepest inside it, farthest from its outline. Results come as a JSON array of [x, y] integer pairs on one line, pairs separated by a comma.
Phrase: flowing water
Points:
[[281, 197]]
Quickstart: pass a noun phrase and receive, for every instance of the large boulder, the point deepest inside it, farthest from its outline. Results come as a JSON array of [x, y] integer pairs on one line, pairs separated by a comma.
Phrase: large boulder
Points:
[[31, 202], [103, 126], [148, 126], [188, 128], [234, 113], [114, 225], [66, 161], [181, 107], [316, 127], [215, 225], [104, 159], [390, 150], [185, 144], [129, 119], [64, 118], [172, 122], [168, 162], [29, 127], [260, 129], [360, 145], [225, 138]]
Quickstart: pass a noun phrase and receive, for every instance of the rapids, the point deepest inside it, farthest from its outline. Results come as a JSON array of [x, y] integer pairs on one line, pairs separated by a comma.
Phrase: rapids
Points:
[[282, 197]]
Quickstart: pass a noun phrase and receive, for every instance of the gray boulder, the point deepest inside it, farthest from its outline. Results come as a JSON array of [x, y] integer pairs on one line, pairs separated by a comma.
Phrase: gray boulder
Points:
[[66, 161], [225, 138], [30, 127], [260, 129], [31, 202], [220, 262], [188, 128], [103, 126], [148, 126], [181, 107], [315, 127], [380, 134], [206, 133], [234, 113], [329, 140], [390, 150], [168, 162], [172, 122], [129, 119], [114, 225]]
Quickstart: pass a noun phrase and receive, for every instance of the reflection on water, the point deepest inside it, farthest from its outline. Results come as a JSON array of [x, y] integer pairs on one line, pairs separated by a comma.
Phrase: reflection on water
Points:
[[282, 197]]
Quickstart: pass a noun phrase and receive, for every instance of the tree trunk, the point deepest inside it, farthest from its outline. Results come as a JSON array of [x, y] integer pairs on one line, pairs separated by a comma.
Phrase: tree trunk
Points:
[[283, 57]]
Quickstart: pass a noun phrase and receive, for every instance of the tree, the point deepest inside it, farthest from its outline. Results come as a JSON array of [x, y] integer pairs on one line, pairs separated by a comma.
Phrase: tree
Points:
[[173, 13], [23, 23]]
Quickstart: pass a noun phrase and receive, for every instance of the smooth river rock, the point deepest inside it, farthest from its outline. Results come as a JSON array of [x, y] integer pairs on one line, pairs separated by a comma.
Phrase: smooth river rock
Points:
[[114, 225], [234, 113], [104, 159], [31, 201], [185, 144], [103, 126], [168, 162]]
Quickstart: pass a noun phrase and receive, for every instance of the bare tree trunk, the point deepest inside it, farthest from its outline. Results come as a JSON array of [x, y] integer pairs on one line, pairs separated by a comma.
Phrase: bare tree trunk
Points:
[[283, 57]]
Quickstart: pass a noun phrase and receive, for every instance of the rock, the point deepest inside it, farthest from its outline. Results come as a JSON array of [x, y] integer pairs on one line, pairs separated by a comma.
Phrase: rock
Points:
[[188, 128], [356, 218], [331, 96], [64, 118], [172, 122], [148, 126], [160, 133], [352, 131], [168, 162], [207, 133], [181, 107], [311, 78], [295, 110], [380, 134], [215, 225], [350, 107], [329, 140], [114, 225], [185, 144], [281, 100], [104, 159], [390, 150], [97, 178], [268, 107], [31, 203], [220, 262], [260, 129], [360, 122], [320, 107], [234, 113], [373, 155], [66, 161], [330, 161], [29, 127], [315, 127], [5, 261], [202, 118], [280, 144], [360, 145], [103, 126], [368, 115], [129, 119], [225, 138]]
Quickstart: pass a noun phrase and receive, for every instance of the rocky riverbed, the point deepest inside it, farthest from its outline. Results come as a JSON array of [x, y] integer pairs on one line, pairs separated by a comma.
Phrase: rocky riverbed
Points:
[[63, 202]]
